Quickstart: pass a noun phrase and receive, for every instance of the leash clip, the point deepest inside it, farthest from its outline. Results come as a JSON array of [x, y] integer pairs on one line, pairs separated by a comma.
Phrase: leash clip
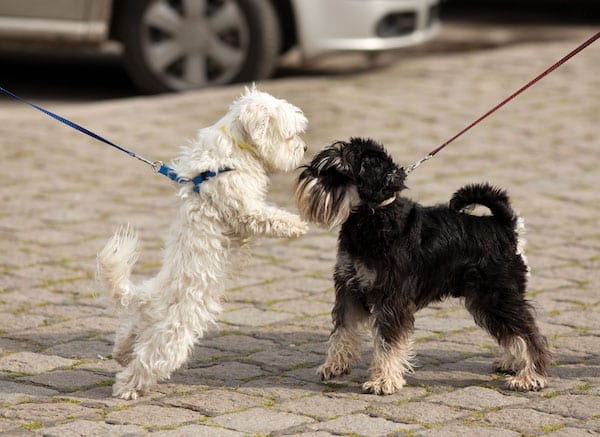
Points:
[[156, 166]]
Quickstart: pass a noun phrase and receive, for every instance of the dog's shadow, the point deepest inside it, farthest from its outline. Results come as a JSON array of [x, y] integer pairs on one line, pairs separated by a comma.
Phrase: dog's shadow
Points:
[[279, 360], [295, 364], [253, 360]]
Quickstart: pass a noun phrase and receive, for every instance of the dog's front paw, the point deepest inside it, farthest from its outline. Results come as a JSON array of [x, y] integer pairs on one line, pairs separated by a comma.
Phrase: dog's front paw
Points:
[[328, 370], [291, 226], [298, 229], [383, 386], [526, 381]]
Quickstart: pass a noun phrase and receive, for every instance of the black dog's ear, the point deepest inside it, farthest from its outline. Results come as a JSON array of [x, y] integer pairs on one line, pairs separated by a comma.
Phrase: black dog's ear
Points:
[[326, 188], [333, 158]]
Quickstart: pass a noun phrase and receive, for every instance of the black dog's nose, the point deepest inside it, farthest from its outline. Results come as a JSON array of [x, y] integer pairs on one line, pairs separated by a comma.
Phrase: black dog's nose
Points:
[[305, 147]]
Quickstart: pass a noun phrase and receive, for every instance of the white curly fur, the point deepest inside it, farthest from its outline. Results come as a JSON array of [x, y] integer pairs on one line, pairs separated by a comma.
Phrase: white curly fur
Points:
[[165, 315]]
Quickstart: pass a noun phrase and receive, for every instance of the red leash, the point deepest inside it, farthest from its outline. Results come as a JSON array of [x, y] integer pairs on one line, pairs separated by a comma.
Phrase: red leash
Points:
[[508, 99]]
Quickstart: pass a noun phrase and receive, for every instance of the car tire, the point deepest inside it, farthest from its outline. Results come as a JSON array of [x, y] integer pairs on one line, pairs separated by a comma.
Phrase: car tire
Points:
[[175, 45]]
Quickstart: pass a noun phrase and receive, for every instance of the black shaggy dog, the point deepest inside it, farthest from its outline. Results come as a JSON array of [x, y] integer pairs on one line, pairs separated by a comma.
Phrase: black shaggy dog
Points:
[[396, 256]]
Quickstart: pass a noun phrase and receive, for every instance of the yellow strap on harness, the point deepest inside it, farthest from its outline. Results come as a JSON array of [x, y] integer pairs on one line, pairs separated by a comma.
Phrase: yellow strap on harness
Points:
[[243, 146]]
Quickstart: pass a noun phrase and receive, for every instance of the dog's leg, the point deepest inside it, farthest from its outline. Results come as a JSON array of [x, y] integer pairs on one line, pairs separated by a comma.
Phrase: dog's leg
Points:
[[124, 342], [271, 221], [348, 316], [344, 342], [390, 362], [530, 361], [134, 381], [511, 322], [160, 349], [392, 355]]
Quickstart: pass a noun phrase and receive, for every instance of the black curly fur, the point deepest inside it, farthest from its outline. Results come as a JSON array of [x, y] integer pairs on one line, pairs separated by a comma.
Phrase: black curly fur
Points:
[[416, 255]]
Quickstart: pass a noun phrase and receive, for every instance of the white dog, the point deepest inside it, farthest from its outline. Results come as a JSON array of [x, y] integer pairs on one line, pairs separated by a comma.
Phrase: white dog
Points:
[[165, 315]]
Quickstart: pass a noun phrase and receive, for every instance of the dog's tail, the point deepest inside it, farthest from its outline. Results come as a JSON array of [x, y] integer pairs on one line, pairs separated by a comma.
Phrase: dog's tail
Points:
[[115, 262], [491, 197]]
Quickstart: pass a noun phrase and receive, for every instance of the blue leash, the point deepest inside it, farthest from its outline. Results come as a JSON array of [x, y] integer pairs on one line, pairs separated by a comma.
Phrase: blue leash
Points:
[[157, 166]]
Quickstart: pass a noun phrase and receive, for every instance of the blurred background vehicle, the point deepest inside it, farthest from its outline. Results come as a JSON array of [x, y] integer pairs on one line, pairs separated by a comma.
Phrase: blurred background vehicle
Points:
[[174, 45]]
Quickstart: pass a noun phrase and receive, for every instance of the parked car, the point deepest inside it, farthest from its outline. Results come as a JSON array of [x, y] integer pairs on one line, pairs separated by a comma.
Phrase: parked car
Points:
[[173, 45]]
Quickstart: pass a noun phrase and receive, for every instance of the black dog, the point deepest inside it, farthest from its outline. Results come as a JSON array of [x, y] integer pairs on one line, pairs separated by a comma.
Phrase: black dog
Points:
[[396, 256]]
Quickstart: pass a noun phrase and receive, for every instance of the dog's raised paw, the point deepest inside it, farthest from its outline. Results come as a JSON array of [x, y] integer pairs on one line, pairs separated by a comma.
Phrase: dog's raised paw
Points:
[[299, 229], [289, 227]]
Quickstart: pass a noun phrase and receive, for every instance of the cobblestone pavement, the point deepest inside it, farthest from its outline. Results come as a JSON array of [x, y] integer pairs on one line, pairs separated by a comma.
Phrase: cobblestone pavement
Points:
[[63, 195]]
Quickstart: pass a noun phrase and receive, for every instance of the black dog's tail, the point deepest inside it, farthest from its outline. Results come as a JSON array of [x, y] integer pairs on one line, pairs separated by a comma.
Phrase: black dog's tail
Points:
[[491, 197]]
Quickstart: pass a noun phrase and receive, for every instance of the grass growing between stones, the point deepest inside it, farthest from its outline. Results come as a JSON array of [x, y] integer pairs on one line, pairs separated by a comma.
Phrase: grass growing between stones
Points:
[[584, 387], [32, 426], [61, 400], [47, 283], [333, 388], [551, 428]]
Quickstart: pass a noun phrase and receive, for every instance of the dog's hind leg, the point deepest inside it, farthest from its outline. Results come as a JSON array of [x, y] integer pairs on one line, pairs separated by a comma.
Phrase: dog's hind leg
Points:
[[530, 361], [510, 321], [124, 342], [160, 349], [151, 363]]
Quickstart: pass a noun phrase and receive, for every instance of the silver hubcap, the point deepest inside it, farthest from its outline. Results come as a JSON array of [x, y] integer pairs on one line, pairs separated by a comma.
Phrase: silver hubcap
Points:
[[194, 43]]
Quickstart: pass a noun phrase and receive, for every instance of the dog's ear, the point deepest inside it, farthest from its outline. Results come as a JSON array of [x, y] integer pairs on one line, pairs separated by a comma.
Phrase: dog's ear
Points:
[[325, 190], [335, 158], [251, 89], [255, 119]]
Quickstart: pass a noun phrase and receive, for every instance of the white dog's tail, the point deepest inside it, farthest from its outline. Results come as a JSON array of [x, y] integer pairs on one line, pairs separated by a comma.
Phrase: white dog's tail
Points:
[[115, 262]]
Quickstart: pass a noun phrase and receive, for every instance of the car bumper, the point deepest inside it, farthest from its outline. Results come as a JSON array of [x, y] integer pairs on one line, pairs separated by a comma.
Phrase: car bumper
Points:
[[376, 25]]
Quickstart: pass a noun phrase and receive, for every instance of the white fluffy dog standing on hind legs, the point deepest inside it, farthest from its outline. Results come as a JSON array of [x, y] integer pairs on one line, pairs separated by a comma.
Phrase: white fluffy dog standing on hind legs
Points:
[[165, 315]]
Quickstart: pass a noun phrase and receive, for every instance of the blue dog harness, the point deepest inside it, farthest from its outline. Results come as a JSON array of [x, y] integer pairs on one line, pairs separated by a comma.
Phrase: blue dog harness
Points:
[[202, 177]]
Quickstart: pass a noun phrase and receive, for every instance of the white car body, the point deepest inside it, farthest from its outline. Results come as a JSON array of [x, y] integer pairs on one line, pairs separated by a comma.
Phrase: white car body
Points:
[[326, 26], [315, 27]]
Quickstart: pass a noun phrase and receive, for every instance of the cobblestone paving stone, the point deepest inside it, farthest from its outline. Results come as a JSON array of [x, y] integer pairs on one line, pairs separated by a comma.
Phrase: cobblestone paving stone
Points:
[[63, 195]]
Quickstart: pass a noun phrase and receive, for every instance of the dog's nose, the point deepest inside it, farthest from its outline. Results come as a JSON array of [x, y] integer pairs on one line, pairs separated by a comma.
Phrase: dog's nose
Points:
[[305, 147]]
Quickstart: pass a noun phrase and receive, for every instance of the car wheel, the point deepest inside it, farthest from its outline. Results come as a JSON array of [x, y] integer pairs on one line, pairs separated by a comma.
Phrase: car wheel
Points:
[[175, 45]]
